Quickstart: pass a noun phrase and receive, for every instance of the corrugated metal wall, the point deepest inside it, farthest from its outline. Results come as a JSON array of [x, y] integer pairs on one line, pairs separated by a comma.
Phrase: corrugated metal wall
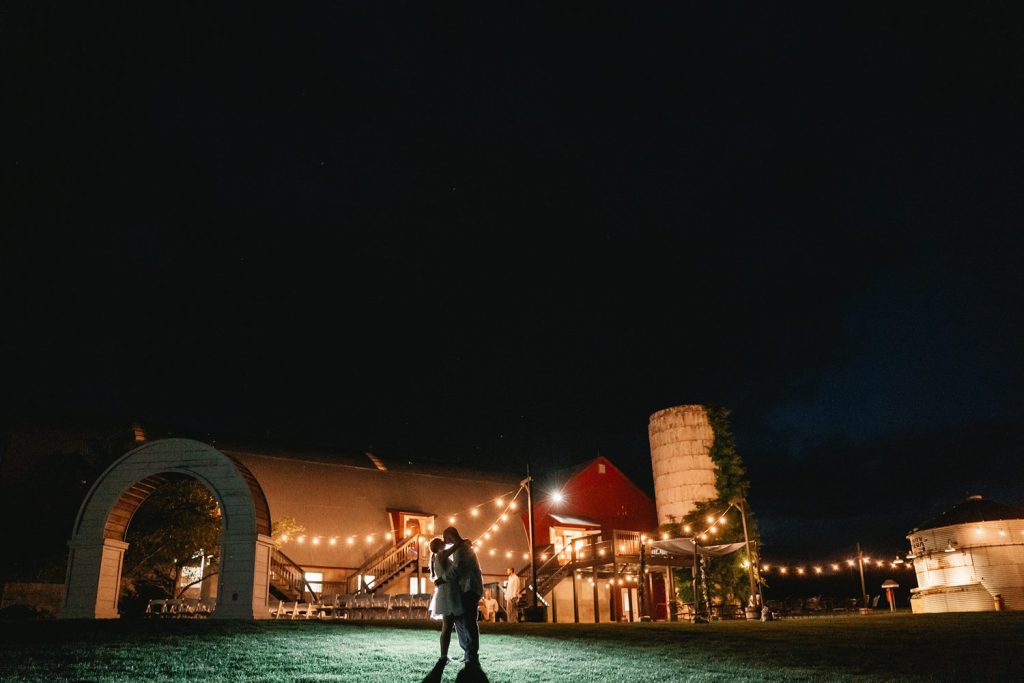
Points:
[[961, 568]]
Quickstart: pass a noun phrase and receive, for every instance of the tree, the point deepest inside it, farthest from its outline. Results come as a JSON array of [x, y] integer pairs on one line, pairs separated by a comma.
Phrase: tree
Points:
[[179, 523], [285, 528]]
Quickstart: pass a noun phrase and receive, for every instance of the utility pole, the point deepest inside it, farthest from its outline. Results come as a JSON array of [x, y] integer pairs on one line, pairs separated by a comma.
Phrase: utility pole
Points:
[[860, 563], [529, 507], [746, 541]]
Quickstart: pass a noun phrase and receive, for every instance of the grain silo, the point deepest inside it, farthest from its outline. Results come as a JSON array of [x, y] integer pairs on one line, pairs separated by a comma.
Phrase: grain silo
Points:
[[684, 473], [969, 559]]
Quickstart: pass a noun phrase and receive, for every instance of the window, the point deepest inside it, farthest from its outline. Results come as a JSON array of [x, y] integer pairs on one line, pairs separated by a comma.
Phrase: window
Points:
[[365, 580], [600, 468], [422, 587], [315, 581]]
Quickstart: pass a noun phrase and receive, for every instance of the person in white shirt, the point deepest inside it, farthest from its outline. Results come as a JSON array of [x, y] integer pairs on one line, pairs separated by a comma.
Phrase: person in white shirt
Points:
[[513, 586], [489, 606]]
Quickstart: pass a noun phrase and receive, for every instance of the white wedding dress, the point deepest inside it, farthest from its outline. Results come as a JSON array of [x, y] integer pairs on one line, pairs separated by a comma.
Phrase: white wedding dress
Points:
[[446, 601]]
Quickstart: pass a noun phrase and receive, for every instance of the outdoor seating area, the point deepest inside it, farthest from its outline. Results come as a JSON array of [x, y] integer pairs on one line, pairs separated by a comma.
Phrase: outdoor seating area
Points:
[[181, 608], [357, 606]]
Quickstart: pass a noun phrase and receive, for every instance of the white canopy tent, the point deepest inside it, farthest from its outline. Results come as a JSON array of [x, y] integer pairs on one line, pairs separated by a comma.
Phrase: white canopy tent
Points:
[[686, 546]]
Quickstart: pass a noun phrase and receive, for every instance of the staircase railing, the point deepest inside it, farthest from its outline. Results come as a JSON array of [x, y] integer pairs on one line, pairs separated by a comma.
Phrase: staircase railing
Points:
[[384, 566], [284, 572]]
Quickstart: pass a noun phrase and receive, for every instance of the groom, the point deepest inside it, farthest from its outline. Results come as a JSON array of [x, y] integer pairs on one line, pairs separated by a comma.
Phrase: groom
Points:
[[471, 588]]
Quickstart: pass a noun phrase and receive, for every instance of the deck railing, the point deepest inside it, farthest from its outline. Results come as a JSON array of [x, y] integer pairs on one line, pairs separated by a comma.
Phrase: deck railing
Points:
[[383, 566], [285, 573]]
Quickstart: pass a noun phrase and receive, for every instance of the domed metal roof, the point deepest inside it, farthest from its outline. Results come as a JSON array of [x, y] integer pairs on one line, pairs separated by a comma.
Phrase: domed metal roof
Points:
[[974, 509]]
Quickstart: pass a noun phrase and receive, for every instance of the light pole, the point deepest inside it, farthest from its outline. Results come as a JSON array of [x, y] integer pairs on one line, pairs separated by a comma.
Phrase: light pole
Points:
[[529, 508], [863, 588], [740, 503]]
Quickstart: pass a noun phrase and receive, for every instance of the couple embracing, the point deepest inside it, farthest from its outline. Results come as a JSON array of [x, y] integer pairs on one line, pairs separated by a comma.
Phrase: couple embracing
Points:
[[459, 586]]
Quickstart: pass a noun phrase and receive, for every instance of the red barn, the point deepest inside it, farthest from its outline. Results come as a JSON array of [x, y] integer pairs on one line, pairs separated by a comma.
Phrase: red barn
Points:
[[594, 496], [588, 522]]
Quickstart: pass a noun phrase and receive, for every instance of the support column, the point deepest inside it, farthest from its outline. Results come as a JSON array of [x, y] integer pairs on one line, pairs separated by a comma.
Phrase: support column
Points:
[[575, 597], [93, 580], [243, 592], [670, 595]]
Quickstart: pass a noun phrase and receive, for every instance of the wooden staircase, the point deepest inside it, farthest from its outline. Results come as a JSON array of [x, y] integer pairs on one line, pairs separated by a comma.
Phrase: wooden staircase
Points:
[[288, 580], [389, 564]]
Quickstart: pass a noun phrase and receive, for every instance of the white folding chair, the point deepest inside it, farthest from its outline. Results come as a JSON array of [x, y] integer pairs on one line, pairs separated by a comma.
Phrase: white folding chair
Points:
[[381, 605]]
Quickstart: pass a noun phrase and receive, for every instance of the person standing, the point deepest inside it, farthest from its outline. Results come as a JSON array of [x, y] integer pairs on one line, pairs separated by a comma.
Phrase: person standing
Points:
[[467, 575], [446, 603], [513, 586]]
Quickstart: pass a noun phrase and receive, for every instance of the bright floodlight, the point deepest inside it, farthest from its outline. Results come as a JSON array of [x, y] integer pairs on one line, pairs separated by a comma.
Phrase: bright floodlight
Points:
[[557, 497]]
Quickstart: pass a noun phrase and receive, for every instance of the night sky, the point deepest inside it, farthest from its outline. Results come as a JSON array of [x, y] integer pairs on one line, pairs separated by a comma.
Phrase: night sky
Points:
[[500, 235]]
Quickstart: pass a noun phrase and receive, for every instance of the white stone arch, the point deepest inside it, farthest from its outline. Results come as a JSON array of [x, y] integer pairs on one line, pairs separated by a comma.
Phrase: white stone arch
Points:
[[97, 542]]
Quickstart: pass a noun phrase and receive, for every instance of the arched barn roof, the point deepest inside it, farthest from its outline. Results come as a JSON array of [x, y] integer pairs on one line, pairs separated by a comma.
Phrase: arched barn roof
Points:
[[974, 509], [355, 496]]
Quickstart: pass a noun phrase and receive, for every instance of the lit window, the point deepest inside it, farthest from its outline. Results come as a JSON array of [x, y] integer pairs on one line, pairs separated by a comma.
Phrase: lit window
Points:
[[315, 581]]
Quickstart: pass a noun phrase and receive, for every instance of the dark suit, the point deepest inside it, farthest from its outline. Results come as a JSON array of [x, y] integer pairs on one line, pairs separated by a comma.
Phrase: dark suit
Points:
[[471, 588]]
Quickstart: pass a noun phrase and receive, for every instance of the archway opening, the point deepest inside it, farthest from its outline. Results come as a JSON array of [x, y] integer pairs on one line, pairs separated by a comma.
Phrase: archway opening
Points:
[[173, 531], [97, 546]]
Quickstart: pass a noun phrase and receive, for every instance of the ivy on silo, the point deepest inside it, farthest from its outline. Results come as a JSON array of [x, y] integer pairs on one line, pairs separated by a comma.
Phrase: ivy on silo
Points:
[[725, 578], [730, 474]]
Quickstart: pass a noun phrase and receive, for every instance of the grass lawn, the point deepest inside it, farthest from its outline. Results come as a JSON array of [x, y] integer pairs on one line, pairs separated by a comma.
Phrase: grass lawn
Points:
[[878, 647]]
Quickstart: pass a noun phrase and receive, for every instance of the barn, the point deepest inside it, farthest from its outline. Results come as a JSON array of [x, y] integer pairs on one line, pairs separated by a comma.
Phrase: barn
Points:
[[360, 524], [969, 559]]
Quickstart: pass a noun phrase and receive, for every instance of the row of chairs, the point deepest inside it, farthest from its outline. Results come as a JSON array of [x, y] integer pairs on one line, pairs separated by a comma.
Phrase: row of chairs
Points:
[[179, 608], [360, 606]]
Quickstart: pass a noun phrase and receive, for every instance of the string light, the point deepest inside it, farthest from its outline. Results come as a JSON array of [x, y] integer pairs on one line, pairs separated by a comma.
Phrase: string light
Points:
[[430, 526]]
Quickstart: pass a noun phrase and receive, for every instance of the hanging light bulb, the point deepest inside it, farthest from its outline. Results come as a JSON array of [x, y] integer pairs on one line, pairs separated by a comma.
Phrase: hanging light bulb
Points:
[[513, 505]]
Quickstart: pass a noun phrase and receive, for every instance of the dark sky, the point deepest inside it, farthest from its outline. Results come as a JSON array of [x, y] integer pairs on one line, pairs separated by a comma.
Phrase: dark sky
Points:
[[506, 234]]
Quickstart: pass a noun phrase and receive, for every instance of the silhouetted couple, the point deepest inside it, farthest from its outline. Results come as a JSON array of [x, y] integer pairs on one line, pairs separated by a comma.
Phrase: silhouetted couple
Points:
[[458, 587]]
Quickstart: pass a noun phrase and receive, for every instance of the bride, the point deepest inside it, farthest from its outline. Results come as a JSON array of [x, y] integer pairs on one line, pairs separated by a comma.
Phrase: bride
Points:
[[446, 603]]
